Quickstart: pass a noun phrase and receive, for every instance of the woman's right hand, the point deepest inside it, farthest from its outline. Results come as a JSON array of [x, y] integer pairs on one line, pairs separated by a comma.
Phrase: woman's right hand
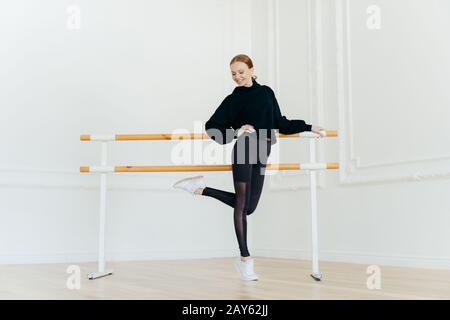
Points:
[[246, 128], [319, 130]]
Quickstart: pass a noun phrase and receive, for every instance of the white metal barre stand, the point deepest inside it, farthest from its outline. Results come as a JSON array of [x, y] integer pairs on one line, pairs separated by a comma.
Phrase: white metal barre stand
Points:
[[316, 275], [101, 240]]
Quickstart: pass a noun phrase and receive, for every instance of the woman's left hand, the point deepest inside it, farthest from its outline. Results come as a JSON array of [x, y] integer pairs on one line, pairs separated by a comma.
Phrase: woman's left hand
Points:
[[319, 130]]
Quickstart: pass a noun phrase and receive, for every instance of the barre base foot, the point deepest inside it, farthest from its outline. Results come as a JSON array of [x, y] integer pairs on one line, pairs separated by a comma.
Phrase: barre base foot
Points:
[[96, 275], [316, 276]]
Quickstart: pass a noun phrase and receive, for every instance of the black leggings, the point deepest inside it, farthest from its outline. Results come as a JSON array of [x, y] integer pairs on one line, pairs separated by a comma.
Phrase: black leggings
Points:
[[248, 179]]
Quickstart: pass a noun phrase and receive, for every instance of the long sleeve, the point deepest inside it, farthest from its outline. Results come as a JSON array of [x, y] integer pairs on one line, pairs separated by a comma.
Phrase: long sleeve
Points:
[[286, 126], [218, 127]]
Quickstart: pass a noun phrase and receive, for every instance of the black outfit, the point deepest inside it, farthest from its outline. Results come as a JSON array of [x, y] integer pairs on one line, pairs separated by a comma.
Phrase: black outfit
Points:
[[255, 105]]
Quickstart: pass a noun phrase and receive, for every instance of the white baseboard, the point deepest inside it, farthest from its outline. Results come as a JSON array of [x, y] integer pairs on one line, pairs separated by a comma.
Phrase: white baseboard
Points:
[[8, 259], [331, 256], [360, 258]]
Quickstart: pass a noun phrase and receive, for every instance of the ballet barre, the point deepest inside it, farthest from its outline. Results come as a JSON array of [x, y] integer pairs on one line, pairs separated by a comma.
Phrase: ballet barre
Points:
[[224, 167], [104, 169], [179, 136]]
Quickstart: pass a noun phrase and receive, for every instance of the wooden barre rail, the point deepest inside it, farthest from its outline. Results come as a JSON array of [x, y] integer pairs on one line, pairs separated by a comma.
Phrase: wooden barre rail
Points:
[[224, 167], [191, 136], [104, 169]]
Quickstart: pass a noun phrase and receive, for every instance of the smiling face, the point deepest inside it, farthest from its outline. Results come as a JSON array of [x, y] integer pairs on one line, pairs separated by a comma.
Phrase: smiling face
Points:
[[241, 73]]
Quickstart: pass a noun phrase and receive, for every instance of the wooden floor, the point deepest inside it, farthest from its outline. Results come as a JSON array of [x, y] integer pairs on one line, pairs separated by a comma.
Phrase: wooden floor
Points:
[[217, 279]]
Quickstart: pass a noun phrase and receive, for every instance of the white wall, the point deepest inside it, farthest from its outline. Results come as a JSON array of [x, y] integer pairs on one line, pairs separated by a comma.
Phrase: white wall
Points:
[[130, 67], [156, 66], [384, 90]]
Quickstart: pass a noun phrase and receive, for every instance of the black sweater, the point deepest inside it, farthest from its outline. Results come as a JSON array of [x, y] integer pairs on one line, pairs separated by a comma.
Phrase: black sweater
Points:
[[255, 105]]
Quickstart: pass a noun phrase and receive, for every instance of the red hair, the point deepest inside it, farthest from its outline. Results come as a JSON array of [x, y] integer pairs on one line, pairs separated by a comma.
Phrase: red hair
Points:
[[245, 59]]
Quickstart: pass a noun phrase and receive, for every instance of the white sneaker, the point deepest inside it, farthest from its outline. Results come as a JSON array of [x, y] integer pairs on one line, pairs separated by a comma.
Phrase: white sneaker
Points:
[[246, 269], [190, 184]]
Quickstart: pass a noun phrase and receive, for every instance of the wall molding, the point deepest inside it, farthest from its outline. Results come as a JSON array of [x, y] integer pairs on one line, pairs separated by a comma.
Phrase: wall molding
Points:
[[157, 182], [299, 180], [352, 171]]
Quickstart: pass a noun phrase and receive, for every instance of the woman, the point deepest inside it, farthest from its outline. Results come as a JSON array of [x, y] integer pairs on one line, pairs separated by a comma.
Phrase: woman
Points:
[[249, 114]]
